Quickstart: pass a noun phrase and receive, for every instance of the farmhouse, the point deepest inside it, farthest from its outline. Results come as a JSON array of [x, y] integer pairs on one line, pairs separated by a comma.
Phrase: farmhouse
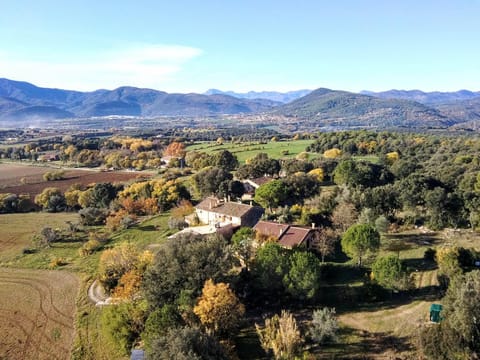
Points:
[[219, 212], [250, 185], [288, 236]]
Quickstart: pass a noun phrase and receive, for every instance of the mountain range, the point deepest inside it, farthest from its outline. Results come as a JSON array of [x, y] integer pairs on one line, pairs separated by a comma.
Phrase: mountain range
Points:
[[21, 100], [321, 108], [268, 95]]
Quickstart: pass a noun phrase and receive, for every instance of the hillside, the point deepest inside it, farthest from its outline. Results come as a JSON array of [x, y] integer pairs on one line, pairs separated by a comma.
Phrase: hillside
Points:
[[282, 97], [428, 98], [325, 107], [466, 113], [23, 101]]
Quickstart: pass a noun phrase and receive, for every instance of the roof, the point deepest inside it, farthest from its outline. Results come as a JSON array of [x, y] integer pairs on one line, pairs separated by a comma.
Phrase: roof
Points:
[[228, 208], [294, 236], [259, 181], [271, 229], [287, 235]]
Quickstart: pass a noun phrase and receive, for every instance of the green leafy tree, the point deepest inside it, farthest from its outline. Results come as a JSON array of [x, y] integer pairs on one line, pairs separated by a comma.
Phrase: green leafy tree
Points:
[[211, 181], [185, 263], [269, 267], [272, 194], [51, 199], [389, 272], [123, 323], [302, 281], [159, 322], [458, 334], [359, 240], [186, 344], [225, 160]]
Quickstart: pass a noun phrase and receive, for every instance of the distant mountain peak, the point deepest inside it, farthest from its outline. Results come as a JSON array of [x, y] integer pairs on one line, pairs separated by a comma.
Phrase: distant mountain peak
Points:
[[283, 97]]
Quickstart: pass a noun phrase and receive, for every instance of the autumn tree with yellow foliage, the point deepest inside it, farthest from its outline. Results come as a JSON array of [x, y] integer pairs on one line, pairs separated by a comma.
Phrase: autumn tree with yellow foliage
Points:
[[218, 308]]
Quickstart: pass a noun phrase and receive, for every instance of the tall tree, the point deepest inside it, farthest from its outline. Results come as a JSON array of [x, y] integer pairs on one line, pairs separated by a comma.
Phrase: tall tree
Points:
[[360, 239], [219, 309], [272, 194]]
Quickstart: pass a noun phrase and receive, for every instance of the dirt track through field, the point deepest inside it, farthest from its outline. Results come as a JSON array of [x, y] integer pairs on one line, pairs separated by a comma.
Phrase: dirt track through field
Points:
[[36, 314]]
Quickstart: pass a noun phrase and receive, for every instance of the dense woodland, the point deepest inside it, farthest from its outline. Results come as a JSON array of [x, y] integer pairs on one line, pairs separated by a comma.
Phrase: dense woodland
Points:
[[194, 294]]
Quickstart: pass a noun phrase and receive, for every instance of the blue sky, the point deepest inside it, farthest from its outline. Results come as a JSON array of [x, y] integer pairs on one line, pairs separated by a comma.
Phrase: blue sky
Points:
[[192, 45]]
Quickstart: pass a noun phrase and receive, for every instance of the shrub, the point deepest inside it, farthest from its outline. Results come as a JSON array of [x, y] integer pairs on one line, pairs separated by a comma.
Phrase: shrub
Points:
[[56, 262], [324, 325], [54, 175], [90, 247]]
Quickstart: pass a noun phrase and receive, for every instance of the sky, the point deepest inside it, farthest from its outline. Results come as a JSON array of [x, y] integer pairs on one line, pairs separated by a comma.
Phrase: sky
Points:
[[194, 45]]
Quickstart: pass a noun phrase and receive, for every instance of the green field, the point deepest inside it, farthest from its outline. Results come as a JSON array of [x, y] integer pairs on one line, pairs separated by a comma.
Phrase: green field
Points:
[[246, 150]]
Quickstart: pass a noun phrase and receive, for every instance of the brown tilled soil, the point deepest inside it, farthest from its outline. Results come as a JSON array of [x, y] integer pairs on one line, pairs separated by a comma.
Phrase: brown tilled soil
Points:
[[37, 310]]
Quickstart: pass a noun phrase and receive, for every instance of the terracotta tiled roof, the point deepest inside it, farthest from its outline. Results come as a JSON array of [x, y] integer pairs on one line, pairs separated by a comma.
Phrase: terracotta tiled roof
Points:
[[228, 208], [287, 235], [294, 236], [269, 228]]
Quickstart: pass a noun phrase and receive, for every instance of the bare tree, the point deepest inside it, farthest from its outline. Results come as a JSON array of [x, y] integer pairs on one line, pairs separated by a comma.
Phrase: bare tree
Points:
[[324, 242], [344, 216]]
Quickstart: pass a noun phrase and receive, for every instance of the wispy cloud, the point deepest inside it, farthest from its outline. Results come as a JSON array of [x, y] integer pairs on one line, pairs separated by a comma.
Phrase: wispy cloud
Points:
[[142, 65]]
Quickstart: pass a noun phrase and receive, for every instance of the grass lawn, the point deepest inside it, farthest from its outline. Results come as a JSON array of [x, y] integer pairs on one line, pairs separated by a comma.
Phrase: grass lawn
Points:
[[18, 229], [246, 150]]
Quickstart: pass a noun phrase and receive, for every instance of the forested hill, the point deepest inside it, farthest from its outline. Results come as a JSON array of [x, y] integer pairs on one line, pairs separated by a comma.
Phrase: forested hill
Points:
[[327, 107], [20, 100], [428, 98], [319, 109]]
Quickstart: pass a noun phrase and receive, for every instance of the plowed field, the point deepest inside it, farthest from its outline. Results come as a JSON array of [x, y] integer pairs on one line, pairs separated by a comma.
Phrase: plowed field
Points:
[[37, 310], [11, 176]]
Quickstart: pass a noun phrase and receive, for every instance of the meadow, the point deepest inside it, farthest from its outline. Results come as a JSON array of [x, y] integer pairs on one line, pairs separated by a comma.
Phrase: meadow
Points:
[[245, 150]]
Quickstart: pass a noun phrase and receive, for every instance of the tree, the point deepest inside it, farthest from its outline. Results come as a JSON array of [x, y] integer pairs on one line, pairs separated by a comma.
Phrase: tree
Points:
[[115, 262], [360, 239], [269, 267], [219, 309], [389, 272], [51, 199], [272, 194], [447, 259], [159, 322], [381, 224], [224, 160], [185, 263], [186, 344], [49, 235], [302, 281], [324, 325], [344, 215], [176, 149], [92, 216], [242, 242], [211, 181], [458, 334], [124, 323], [324, 242], [280, 335], [301, 186]]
